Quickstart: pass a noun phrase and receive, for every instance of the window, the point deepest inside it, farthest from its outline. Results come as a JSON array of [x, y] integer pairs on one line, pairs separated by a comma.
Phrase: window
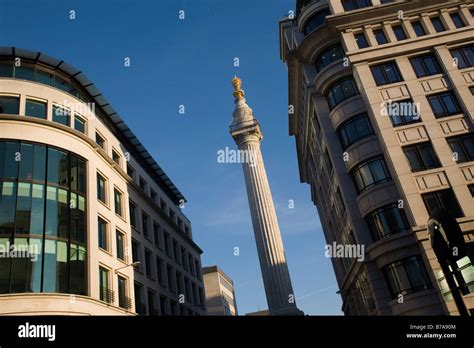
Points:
[[438, 24], [386, 221], [354, 129], [380, 36], [9, 105], [418, 28], [462, 147], [115, 157], [156, 234], [442, 199], [350, 5], [153, 195], [370, 173], [464, 56], [399, 32], [444, 104], [166, 238], [133, 213], [361, 40], [80, 124], [328, 56], [340, 91], [99, 140], [159, 270], [457, 20], [120, 241], [124, 301], [151, 303], [316, 21], [142, 184], [118, 202], [386, 73], [472, 90], [130, 171], [35, 109], [406, 276], [421, 157], [101, 188], [471, 189], [402, 112], [106, 294], [135, 252], [171, 214], [148, 267], [426, 65], [184, 258], [176, 251], [36, 212], [102, 232], [145, 224], [139, 305], [385, 1], [61, 115]]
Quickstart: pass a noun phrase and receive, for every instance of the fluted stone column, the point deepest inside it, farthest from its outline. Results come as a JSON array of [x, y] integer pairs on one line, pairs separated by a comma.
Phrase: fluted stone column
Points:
[[276, 278]]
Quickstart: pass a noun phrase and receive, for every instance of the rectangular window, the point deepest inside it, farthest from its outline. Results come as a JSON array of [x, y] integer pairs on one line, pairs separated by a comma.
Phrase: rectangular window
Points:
[[120, 245], [105, 293], [350, 5], [370, 173], [444, 104], [406, 276], [438, 24], [471, 189], [101, 189], [99, 140], [170, 273], [153, 195], [380, 36], [166, 238], [403, 112], [421, 157], [115, 157], [9, 105], [464, 56], [148, 266], [426, 65], [130, 171], [418, 28], [35, 108], [462, 147], [399, 32], [159, 270], [61, 115], [80, 124], [176, 251], [142, 184], [183, 258], [386, 73], [361, 40], [135, 251], [133, 213], [354, 129], [145, 224], [457, 20], [102, 232], [124, 301], [386, 221], [118, 202], [157, 234], [442, 199]]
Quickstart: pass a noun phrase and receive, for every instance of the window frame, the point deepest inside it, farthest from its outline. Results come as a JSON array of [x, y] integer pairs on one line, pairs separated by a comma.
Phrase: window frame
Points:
[[459, 139], [418, 24], [418, 149], [440, 99], [422, 62], [120, 210], [343, 128], [367, 163], [382, 69]]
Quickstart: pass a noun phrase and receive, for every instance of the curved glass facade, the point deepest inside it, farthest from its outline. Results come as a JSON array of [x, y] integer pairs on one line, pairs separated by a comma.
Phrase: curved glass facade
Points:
[[43, 233], [328, 56], [341, 90], [317, 20]]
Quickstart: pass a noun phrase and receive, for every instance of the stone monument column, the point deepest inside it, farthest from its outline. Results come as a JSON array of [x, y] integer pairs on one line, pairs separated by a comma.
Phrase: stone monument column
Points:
[[246, 132]]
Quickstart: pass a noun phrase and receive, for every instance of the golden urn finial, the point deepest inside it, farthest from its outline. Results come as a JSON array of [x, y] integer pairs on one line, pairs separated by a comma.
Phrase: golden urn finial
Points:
[[238, 91]]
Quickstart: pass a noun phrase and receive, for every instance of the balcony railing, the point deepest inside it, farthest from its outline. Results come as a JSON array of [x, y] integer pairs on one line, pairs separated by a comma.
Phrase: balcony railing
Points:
[[125, 302], [106, 295]]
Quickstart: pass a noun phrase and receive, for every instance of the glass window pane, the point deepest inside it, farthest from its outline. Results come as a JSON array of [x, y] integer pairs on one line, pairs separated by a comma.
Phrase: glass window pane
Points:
[[79, 124], [8, 195], [35, 109], [25, 73], [436, 106], [450, 104], [23, 208], [39, 163], [45, 77], [61, 115], [26, 161], [6, 70], [9, 105], [58, 167], [37, 209], [55, 262]]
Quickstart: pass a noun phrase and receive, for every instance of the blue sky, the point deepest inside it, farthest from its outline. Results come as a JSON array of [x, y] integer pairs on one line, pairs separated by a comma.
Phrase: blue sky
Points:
[[191, 62]]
